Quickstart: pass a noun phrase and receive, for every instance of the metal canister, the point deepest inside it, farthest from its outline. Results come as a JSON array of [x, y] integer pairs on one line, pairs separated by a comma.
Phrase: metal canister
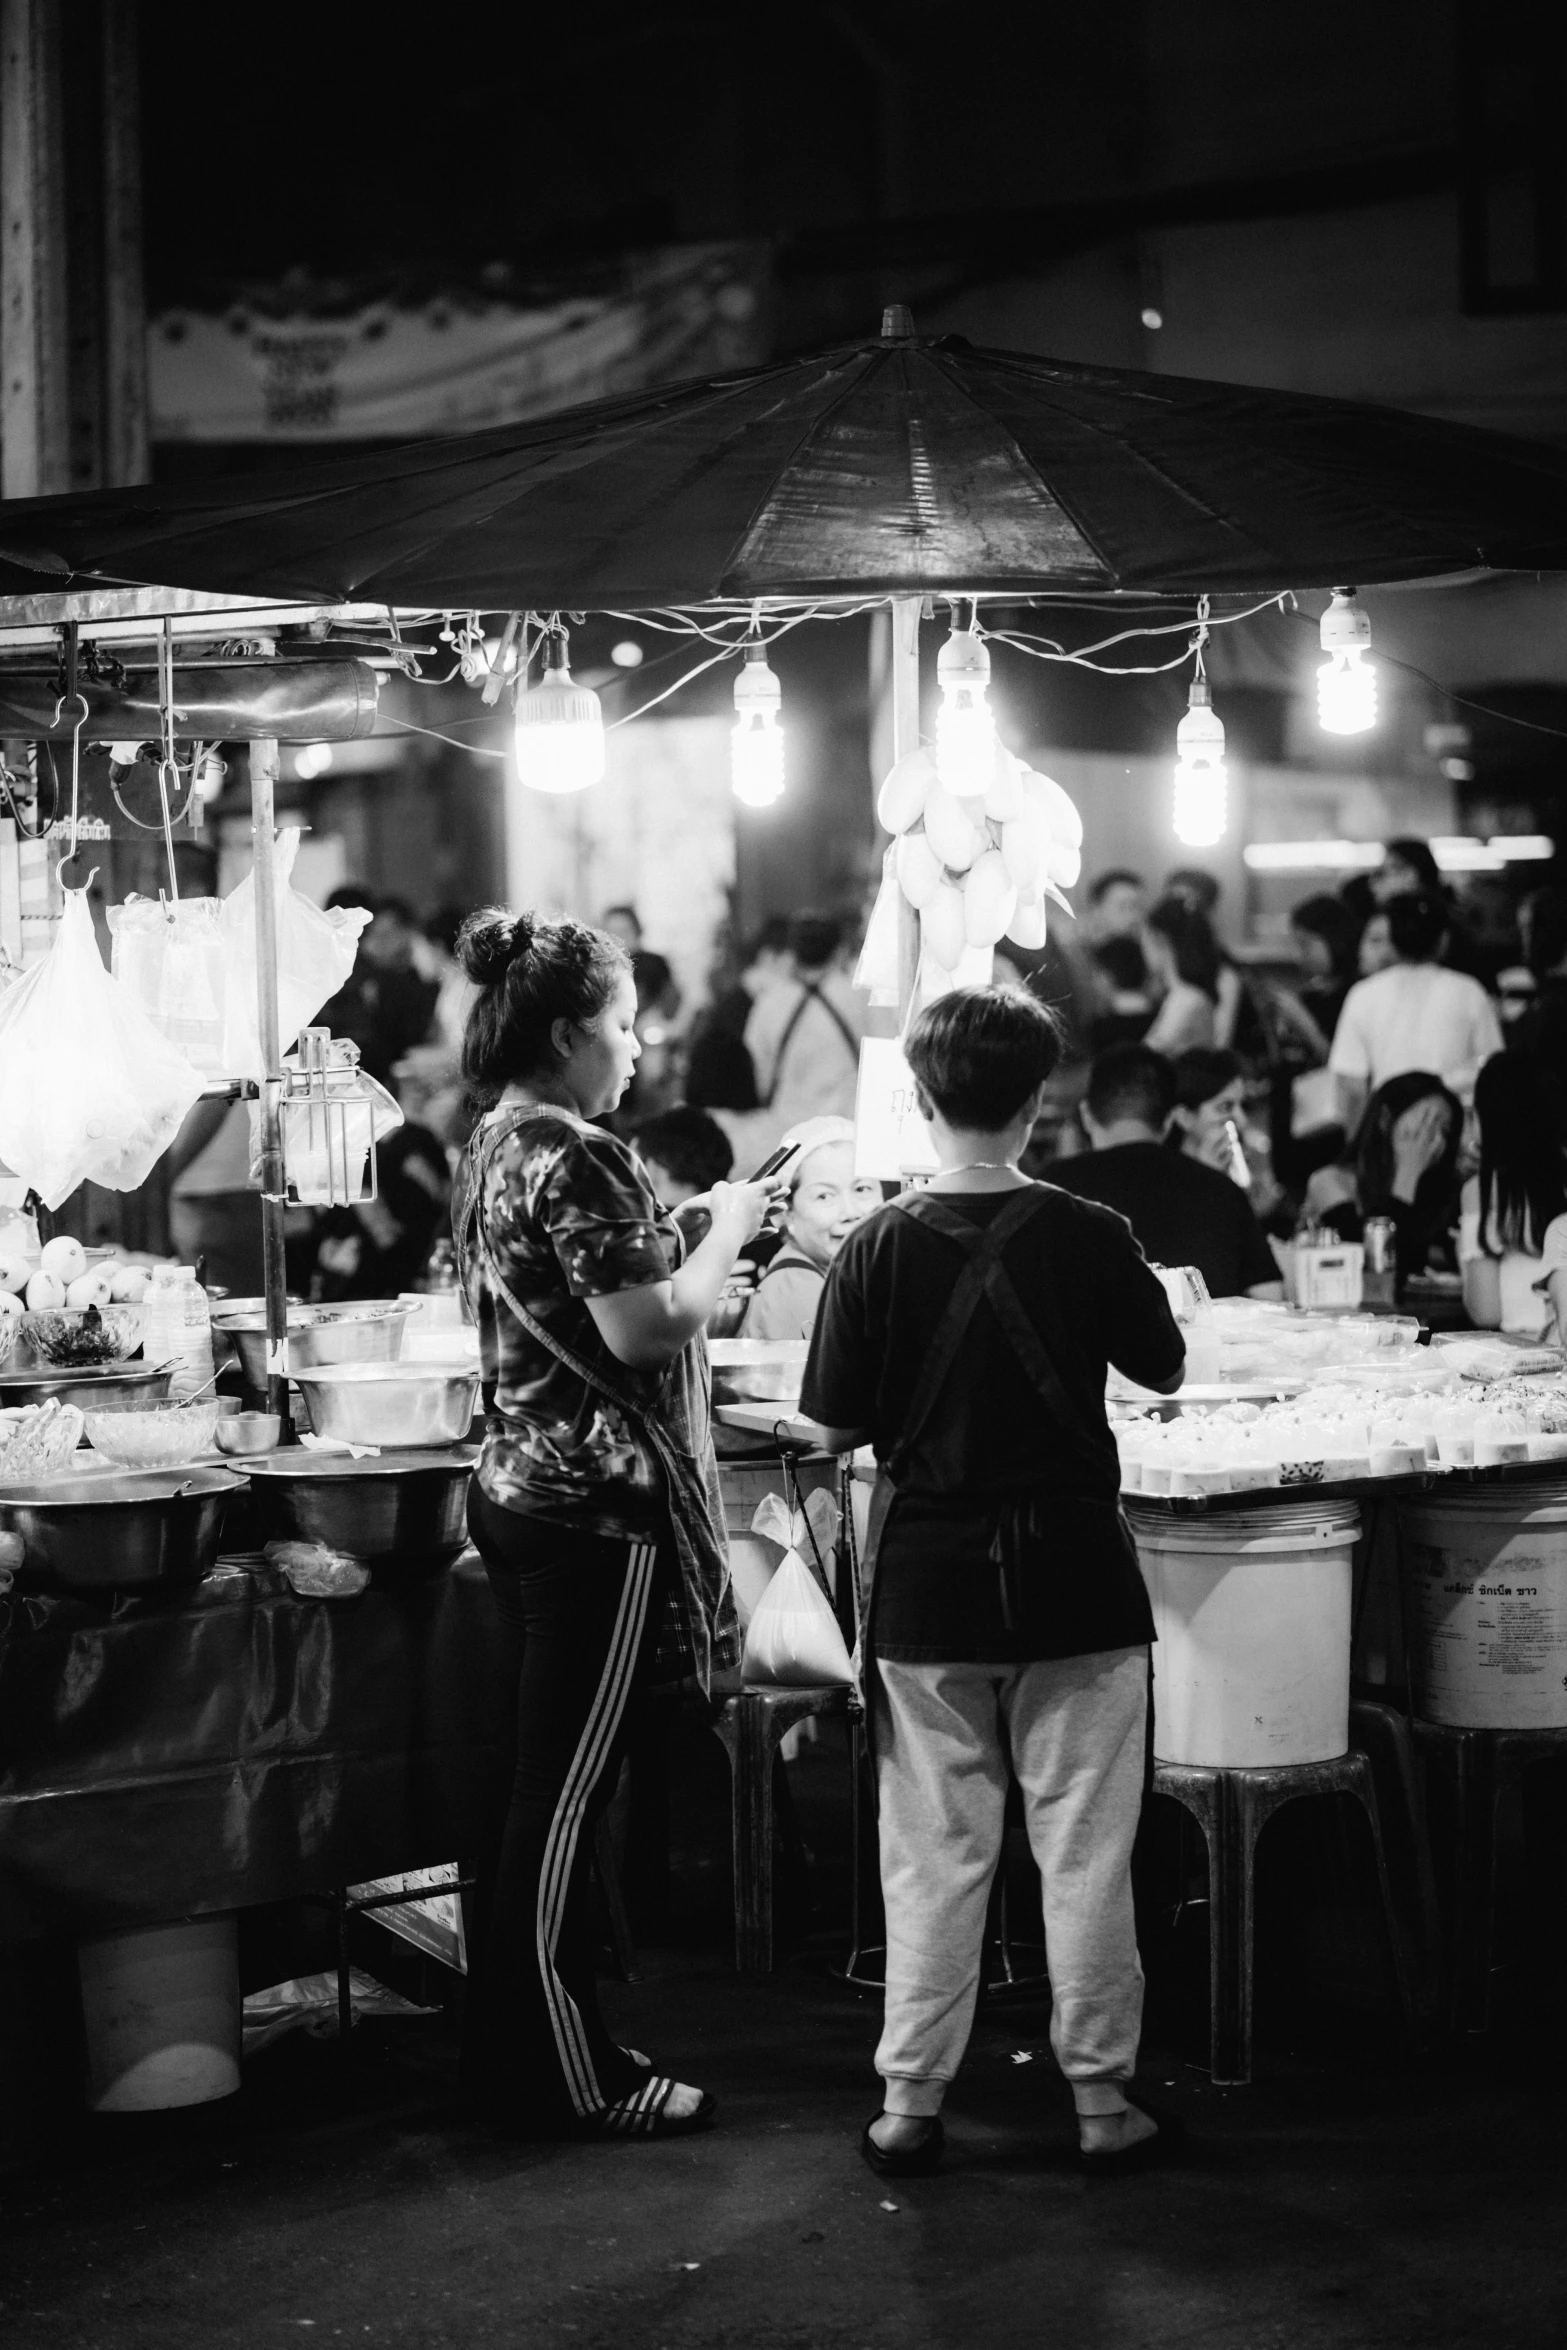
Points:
[[1380, 1241]]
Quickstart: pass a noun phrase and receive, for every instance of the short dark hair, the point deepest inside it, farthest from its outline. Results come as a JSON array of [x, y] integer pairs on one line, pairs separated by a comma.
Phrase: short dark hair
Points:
[[352, 894], [1330, 920], [1201, 1073], [1418, 856], [529, 973], [693, 1146], [631, 914], [1192, 943], [396, 909], [1190, 881], [814, 939], [1131, 1081], [1416, 925], [771, 939], [1118, 876], [979, 1052], [1544, 913]]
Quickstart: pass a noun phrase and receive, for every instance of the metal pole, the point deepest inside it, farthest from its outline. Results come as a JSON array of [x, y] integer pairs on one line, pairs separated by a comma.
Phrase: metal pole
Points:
[[263, 781], [906, 737]]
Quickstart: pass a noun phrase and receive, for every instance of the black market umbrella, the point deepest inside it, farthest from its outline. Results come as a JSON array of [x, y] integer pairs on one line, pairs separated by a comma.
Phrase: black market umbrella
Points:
[[895, 465]]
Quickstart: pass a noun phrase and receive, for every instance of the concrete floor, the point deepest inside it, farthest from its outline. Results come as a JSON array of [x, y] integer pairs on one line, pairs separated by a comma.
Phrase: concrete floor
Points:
[[1335, 2204], [1362, 2193]]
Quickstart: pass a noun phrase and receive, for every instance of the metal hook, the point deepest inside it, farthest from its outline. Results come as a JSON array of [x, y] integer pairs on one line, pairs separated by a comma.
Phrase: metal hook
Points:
[[76, 767]]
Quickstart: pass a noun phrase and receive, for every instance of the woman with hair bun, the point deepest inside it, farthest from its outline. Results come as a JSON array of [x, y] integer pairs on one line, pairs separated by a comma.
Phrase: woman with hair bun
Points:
[[595, 1505]]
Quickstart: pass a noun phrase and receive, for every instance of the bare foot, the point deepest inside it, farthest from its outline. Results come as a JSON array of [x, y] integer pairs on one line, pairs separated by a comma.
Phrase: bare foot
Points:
[[683, 2101], [900, 2133], [1113, 2133]]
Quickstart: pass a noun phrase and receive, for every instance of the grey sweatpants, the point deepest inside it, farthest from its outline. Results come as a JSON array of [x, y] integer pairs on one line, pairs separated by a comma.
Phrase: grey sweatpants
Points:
[[1072, 1731]]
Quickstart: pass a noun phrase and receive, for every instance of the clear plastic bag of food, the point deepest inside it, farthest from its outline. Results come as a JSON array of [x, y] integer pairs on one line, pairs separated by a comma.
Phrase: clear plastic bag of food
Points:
[[170, 958], [90, 1090], [38, 1440], [315, 954], [315, 1571]]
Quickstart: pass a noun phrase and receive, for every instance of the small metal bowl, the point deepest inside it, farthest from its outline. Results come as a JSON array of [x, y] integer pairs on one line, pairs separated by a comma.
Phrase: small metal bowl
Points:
[[244, 1434]]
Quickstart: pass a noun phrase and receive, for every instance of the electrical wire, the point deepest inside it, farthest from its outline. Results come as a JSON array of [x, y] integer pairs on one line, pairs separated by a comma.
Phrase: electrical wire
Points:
[[1459, 701]]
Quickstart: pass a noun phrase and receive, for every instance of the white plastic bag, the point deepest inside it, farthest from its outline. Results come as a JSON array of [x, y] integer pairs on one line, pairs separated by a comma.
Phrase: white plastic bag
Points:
[[793, 1636], [171, 960], [90, 1092], [315, 954]]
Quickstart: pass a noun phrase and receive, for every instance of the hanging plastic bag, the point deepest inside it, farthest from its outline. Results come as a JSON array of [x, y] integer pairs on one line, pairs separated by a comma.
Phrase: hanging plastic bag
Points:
[[90, 1092], [170, 958], [793, 1636], [315, 954]]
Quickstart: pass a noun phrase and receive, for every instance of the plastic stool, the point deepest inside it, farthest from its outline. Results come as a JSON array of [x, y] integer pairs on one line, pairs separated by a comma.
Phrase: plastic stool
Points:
[[1232, 1807], [1485, 1766], [750, 1726]]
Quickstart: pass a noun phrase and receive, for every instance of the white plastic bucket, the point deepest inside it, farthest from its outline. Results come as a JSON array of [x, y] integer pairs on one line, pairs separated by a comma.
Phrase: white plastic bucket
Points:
[[163, 2015], [1252, 1611], [1486, 1587]]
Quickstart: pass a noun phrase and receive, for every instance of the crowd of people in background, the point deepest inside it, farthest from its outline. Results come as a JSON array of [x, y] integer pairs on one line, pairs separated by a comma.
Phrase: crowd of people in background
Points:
[[1223, 1108]]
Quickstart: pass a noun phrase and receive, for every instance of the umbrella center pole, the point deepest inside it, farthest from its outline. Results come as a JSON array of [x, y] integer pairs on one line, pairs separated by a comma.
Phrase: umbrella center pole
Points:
[[906, 738], [263, 788]]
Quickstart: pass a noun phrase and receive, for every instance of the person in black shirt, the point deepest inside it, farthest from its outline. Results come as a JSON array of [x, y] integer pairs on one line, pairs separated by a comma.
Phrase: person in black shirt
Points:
[[1181, 1212], [964, 1333]]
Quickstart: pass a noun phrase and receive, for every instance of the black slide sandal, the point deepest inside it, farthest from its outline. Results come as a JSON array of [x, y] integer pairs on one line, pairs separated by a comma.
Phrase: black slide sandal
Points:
[[643, 2115], [911, 2162], [1121, 2162]]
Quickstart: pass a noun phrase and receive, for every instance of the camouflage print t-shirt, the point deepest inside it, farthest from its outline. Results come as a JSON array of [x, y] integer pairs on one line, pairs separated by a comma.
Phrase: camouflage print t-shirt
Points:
[[569, 1215]]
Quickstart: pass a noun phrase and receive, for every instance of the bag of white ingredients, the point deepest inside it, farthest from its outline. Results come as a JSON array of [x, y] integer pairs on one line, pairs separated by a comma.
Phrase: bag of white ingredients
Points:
[[90, 1092]]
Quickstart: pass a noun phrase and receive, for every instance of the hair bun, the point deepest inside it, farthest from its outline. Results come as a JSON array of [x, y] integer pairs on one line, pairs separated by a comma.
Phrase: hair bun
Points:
[[490, 941]]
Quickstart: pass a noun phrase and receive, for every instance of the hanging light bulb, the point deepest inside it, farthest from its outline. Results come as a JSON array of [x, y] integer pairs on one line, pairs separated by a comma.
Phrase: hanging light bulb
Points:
[[758, 755], [560, 726], [1346, 682], [1201, 785], [965, 726]]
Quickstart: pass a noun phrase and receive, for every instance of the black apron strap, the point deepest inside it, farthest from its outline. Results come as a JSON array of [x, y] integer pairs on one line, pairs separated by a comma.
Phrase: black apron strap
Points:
[[810, 994], [982, 1246]]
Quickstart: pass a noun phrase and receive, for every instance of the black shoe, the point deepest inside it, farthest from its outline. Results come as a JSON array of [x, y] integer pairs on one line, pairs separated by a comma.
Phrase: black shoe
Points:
[[905, 2162], [1167, 2142]]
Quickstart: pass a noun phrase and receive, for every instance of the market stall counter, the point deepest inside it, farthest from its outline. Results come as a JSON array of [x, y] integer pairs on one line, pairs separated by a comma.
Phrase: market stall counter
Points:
[[203, 1748]]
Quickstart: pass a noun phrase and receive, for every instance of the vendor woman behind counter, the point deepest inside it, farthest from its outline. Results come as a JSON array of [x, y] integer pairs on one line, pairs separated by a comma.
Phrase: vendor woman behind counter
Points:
[[595, 1506]]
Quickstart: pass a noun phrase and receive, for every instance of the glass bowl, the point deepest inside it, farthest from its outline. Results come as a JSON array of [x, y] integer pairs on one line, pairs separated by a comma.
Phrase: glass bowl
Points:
[[75, 1338], [153, 1436]]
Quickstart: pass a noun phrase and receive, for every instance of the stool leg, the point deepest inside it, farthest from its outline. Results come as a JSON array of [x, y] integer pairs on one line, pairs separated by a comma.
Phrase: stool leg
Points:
[[746, 1734], [345, 1995], [1474, 1922], [860, 1811], [1231, 1852], [606, 1868], [1363, 1788]]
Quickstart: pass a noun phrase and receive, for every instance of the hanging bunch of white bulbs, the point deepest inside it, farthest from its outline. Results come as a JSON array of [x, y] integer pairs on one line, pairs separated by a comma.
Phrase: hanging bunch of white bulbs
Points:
[[982, 840]]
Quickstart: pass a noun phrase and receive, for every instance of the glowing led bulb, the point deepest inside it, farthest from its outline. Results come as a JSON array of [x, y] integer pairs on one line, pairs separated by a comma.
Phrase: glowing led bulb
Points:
[[1201, 785], [1346, 682], [560, 727], [757, 763], [965, 728]]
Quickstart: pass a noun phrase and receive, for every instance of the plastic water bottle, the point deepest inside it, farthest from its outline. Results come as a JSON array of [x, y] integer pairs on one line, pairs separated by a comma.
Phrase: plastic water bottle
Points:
[[163, 1321], [192, 1332], [178, 1328]]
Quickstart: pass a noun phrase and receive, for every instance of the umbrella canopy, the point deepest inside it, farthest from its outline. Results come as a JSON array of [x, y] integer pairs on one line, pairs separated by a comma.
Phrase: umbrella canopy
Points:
[[898, 465]]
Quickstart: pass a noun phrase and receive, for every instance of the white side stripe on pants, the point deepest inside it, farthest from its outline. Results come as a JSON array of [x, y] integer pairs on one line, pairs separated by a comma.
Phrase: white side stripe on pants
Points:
[[560, 1848]]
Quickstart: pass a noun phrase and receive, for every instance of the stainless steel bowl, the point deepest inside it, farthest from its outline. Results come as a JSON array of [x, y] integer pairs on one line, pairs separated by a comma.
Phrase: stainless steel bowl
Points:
[[120, 1533], [117, 1383], [757, 1370], [243, 1434], [411, 1511], [371, 1332], [391, 1404]]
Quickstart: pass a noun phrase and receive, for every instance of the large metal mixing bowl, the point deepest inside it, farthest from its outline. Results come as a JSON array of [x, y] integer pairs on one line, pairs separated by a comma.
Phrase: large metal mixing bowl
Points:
[[391, 1404], [371, 1332], [409, 1511], [95, 1533]]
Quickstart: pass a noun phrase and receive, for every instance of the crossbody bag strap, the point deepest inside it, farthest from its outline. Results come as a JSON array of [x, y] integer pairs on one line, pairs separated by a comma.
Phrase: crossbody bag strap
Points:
[[980, 1247], [482, 1151]]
